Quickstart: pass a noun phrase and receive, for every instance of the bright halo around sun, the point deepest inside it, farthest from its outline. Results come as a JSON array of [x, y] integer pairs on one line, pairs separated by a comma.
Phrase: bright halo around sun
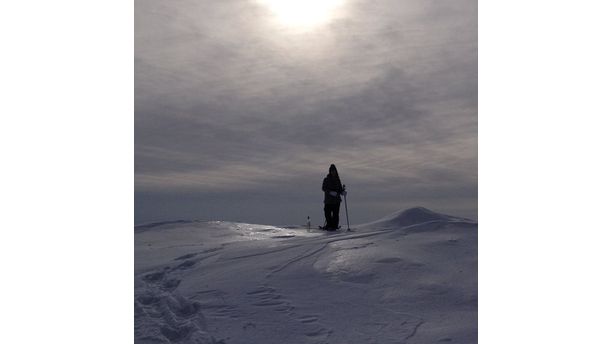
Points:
[[302, 15]]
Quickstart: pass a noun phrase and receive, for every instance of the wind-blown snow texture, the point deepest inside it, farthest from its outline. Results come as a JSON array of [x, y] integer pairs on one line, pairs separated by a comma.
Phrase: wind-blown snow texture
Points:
[[410, 277]]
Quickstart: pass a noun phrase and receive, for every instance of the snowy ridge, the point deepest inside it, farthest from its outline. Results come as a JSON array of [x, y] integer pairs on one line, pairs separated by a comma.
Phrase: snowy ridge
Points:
[[227, 282], [163, 224], [414, 216]]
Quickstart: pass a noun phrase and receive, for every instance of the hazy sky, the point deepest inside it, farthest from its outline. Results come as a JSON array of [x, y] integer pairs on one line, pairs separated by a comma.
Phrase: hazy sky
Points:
[[241, 105]]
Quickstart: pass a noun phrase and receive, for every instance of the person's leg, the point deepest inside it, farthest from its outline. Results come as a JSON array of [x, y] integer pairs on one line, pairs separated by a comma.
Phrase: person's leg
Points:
[[328, 215], [336, 215]]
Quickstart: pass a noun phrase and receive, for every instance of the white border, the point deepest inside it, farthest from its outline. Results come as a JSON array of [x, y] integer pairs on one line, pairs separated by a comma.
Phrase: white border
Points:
[[66, 134], [544, 171]]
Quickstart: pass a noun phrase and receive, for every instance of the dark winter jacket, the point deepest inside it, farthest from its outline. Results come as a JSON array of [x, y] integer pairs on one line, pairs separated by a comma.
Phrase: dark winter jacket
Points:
[[332, 184]]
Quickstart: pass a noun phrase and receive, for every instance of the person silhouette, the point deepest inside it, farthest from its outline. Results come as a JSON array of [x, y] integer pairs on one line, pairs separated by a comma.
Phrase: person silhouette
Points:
[[333, 189]]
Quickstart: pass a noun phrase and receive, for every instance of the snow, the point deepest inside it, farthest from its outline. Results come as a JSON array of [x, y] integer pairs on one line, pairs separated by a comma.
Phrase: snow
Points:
[[409, 277]]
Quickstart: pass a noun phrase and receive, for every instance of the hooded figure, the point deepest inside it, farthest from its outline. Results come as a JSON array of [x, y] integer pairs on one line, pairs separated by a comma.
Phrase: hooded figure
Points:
[[332, 186]]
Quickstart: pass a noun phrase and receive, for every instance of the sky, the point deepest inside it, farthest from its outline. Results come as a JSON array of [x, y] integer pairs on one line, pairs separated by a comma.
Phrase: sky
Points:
[[242, 105]]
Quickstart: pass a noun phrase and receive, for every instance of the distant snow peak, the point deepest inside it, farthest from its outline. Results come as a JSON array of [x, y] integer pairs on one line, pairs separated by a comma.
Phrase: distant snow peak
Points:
[[414, 216], [417, 215]]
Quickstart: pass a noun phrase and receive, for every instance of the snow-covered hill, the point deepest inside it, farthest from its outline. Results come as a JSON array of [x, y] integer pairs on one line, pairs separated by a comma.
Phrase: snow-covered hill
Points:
[[409, 277]]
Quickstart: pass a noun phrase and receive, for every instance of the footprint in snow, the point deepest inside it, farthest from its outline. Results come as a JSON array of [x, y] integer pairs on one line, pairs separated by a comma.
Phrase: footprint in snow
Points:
[[308, 319], [187, 256], [389, 260], [261, 290], [171, 284], [186, 264]]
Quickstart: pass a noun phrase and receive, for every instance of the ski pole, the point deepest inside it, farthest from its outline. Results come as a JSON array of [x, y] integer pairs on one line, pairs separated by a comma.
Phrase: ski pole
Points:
[[348, 225]]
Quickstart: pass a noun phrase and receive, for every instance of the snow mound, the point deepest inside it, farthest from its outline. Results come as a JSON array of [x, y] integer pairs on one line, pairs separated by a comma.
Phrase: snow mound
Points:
[[414, 216]]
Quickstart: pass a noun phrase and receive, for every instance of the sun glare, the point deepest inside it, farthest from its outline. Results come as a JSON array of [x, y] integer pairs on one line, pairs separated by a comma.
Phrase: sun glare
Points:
[[303, 15]]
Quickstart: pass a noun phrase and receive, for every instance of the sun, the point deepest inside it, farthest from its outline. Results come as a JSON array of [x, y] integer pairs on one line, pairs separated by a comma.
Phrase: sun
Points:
[[302, 15]]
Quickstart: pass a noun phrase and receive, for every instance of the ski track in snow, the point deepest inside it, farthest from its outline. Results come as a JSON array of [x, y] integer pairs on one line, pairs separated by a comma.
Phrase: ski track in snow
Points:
[[329, 241], [263, 253], [244, 292]]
